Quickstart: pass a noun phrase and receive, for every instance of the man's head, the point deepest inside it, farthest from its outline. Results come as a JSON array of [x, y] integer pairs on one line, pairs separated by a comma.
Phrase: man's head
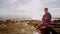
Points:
[[46, 10]]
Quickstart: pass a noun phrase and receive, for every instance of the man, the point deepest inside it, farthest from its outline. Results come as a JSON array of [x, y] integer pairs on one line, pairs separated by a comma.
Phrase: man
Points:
[[46, 20]]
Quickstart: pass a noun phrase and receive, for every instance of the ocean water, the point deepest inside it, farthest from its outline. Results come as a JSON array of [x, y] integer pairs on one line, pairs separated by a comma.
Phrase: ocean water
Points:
[[6, 17]]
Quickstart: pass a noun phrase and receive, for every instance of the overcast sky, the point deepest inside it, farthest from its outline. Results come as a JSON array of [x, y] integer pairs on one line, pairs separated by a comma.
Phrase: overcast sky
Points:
[[30, 8]]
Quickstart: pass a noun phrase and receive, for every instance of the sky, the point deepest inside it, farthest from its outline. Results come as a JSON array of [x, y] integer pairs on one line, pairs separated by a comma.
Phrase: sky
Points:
[[31, 8]]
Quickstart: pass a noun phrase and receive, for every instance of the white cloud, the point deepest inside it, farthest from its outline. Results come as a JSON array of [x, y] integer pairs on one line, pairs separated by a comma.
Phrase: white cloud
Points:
[[46, 1], [12, 4], [12, 1], [55, 12], [29, 7]]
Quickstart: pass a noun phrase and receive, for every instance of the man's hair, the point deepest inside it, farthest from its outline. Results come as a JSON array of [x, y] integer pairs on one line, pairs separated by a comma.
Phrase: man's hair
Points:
[[45, 8]]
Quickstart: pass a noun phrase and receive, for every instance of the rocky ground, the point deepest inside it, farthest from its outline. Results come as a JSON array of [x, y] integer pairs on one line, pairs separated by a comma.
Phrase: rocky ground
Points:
[[11, 27]]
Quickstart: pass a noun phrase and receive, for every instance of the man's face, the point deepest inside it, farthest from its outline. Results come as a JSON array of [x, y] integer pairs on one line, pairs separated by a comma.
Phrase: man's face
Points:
[[45, 10]]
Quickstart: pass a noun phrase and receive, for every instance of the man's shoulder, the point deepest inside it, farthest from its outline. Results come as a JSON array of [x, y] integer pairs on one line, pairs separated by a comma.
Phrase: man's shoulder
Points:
[[49, 13]]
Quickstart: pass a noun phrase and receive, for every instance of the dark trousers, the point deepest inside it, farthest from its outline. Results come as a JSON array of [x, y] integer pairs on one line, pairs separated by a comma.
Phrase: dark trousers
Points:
[[45, 30]]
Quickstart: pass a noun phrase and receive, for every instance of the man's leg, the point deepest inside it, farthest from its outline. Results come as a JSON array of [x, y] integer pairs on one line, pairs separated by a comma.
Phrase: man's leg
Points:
[[45, 30]]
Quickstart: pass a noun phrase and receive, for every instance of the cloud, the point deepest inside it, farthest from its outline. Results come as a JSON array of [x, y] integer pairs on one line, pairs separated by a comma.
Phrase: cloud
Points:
[[26, 7], [20, 4], [21, 7], [12, 3], [55, 12], [47, 1]]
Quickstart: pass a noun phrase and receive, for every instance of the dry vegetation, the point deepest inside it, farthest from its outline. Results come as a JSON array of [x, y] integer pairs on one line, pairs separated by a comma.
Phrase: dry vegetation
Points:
[[16, 27], [20, 26]]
